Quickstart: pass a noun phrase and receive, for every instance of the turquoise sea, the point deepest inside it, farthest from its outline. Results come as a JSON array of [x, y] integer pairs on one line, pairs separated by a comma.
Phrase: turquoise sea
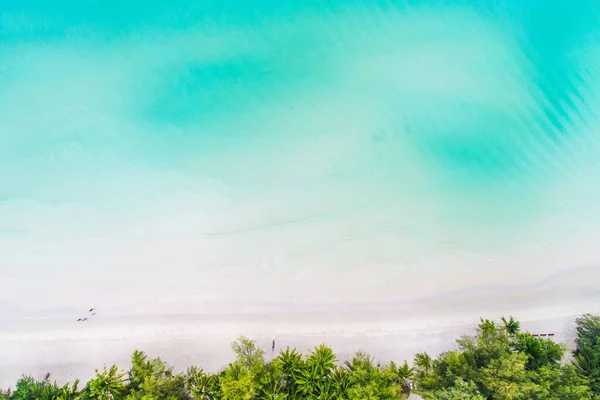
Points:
[[294, 135]]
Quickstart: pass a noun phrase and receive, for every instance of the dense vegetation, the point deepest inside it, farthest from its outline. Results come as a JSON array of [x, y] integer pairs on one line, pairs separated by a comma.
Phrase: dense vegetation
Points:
[[499, 362]]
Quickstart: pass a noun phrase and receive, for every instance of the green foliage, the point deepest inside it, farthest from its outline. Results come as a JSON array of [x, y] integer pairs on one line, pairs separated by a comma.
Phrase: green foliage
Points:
[[28, 388], [370, 382], [461, 390], [245, 377], [559, 383], [401, 372], [401, 375], [500, 363], [511, 325], [202, 386], [106, 385], [288, 365], [313, 379], [248, 354], [153, 379], [272, 383], [540, 352], [341, 383], [587, 351], [238, 383]]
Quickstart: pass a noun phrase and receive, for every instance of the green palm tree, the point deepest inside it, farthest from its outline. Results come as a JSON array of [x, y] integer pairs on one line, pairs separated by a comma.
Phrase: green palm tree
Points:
[[202, 386], [511, 325], [423, 361], [312, 381], [402, 375], [308, 381], [272, 388], [289, 363], [401, 372], [67, 392], [540, 352], [487, 327], [106, 385], [531, 346], [340, 383], [583, 364], [322, 359]]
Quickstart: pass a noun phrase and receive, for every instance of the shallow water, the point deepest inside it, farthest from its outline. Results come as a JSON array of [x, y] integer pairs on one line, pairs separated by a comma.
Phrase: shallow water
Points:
[[420, 137]]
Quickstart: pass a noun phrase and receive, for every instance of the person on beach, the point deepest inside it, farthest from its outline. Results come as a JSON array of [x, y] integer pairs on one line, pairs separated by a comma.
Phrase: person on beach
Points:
[[273, 346]]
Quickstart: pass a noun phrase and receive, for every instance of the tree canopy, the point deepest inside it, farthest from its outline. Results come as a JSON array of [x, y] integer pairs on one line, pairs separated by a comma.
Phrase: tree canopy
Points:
[[501, 363], [587, 351]]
